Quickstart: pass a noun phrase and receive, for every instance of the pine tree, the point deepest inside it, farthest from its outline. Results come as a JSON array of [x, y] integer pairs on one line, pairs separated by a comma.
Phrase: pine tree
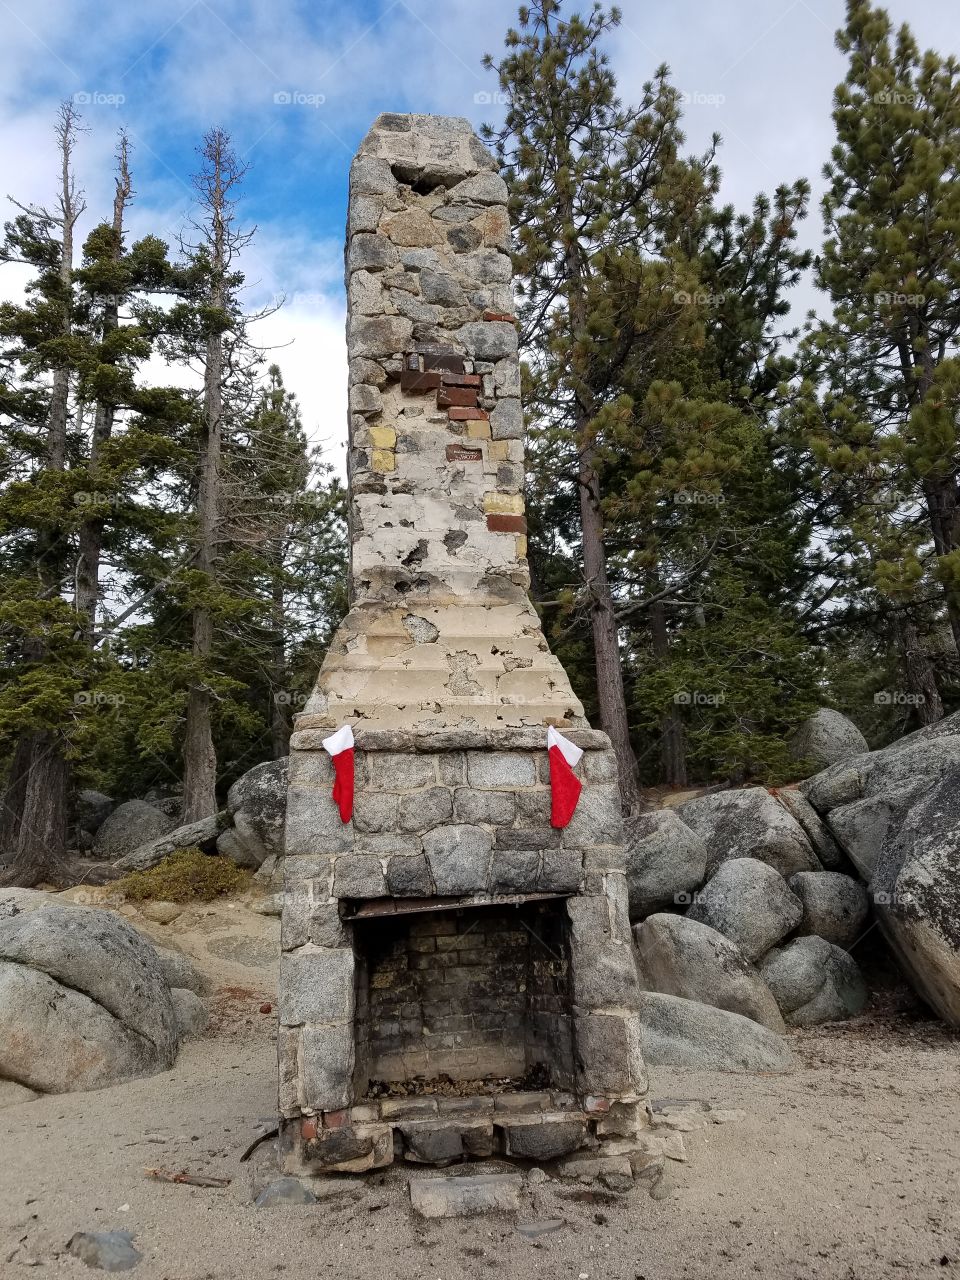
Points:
[[881, 399], [596, 190], [39, 370]]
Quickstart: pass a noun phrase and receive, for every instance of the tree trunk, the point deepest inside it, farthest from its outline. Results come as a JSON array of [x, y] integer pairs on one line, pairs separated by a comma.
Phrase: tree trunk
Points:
[[921, 678], [673, 747], [611, 697], [944, 513], [35, 800], [199, 753], [279, 715], [37, 851], [91, 531]]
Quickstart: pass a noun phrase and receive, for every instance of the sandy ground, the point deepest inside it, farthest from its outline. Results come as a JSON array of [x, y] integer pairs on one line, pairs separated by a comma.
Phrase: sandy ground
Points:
[[848, 1168]]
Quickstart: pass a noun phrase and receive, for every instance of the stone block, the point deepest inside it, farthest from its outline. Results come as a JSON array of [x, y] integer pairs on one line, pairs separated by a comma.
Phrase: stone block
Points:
[[514, 871], [442, 288], [326, 926], [364, 213], [489, 266], [295, 918], [328, 1060], [480, 188], [375, 811], [496, 808], [424, 809], [431, 1143], [288, 1062], [313, 825], [312, 769], [599, 766], [371, 176], [371, 252], [598, 818], [350, 1149], [609, 1056], [603, 974], [401, 771], [489, 339], [366, 400], [533, 808], [466, 1197], [561, 871], [546, 1138], [506, 377], [374, 336], [509, 770], [409, 877], [506, 420], [459, 857], [317, 985], [358, 875], [514, 838]]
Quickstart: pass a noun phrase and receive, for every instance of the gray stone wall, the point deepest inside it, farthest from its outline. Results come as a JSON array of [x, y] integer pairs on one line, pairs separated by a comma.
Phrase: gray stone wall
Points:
[[469, 824]]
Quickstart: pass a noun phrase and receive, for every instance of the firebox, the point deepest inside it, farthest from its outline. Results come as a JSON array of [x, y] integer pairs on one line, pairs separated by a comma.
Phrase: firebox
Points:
[[457, 976], [467, 998]]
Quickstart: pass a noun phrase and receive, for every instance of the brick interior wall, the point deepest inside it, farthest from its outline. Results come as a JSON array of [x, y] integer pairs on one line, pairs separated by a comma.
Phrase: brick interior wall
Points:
[[467, 993]]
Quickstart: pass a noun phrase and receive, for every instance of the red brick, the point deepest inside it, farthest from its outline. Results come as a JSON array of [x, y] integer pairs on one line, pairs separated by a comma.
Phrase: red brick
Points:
[[460, 379], [594, 1105], [308, 1128], [336, 1119], [468, 415], [459, 453], [414, 380], [507, 524], [499, 315], [463, 396]]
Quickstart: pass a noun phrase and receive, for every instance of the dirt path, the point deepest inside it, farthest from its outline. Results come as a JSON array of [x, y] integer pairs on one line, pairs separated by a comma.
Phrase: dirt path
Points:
[[847, 1169]]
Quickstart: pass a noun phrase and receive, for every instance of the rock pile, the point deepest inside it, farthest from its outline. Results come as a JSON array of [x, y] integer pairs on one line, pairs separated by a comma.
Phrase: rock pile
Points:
[[86, 1001], [739, 929]]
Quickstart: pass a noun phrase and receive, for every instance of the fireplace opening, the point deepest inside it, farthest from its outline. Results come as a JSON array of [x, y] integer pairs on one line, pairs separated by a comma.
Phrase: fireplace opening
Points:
[[463, 1001]]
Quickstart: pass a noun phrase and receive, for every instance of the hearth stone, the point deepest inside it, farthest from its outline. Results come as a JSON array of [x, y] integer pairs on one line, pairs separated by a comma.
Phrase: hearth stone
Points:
[[457, 976]]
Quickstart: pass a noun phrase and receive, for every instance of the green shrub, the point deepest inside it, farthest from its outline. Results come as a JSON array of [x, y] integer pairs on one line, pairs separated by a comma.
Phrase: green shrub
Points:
[[186, 875]]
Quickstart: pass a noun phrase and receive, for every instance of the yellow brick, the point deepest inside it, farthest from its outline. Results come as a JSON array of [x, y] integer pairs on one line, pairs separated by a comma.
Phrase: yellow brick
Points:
[[479, 430], [503, 504], [498, 450], [522, 547], [383, 437], [384, 460]]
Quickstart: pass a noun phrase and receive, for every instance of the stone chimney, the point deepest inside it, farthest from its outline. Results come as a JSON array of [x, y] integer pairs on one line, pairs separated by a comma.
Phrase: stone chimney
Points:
[[457, 975]]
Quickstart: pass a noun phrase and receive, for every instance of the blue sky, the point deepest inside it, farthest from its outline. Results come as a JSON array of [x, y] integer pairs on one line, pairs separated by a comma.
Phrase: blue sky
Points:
[[297, 82]]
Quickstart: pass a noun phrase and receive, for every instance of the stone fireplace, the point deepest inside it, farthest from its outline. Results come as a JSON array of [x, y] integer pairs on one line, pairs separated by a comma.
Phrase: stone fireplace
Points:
[[457, 978]]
